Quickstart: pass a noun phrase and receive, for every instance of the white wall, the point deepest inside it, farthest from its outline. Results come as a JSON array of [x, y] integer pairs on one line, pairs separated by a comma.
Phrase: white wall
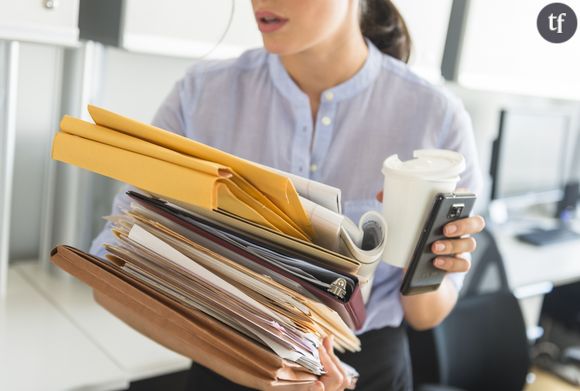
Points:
[[503, 51], [136, 84], [427, 22]]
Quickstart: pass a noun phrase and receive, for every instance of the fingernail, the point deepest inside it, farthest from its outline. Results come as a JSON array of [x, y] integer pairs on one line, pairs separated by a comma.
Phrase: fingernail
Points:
[[439, 262], [439, 246], [451, 228]]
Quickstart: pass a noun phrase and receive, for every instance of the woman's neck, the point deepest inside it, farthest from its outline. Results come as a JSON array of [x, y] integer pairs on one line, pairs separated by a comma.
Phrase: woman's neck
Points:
[[327, 64]]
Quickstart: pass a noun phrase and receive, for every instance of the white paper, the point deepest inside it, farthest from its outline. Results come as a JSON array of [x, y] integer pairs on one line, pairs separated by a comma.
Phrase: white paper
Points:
[[364, 242], [156, 245], [368, 243], [317, 192], [285, 335]]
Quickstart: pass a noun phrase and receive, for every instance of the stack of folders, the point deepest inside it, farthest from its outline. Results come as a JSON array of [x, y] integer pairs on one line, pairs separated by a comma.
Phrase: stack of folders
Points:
[[240, 267]]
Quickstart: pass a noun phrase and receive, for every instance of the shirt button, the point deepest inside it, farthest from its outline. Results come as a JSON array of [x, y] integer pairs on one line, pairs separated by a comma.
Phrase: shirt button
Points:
[[329, 96], [313, 168], [326, 121]]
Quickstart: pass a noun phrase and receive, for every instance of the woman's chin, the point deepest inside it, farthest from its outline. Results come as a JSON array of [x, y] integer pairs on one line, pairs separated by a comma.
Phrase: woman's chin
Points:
[[275, 46]]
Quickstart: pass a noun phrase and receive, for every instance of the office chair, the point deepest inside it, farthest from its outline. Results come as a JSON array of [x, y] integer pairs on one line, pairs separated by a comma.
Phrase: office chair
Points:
[[487, 269], [563, 305], [482, 345], [558, 350]]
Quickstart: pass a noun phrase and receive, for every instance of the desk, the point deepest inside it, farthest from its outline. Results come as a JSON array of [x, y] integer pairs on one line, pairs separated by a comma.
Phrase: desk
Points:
[[527, 264], [41, 349], [138, 356], [53, 336]]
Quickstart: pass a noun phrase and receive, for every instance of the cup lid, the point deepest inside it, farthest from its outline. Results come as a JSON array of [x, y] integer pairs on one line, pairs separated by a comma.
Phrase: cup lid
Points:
[[433, 164]]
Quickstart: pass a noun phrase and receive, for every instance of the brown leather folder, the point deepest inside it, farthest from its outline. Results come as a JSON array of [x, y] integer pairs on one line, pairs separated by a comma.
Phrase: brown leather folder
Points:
[[180, 328]]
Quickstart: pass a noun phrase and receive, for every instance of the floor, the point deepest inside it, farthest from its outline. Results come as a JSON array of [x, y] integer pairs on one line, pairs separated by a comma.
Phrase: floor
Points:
[[548, 382]]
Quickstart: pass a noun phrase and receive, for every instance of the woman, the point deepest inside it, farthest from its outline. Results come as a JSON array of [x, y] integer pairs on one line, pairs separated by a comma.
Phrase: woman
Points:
[[330, 97]]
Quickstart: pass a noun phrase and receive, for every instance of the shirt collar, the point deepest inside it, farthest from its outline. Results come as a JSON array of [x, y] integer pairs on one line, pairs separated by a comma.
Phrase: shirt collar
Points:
[[361, 80]]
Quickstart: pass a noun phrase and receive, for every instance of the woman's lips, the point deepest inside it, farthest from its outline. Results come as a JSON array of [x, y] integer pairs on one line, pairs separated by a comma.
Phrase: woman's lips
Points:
[[269, 22]]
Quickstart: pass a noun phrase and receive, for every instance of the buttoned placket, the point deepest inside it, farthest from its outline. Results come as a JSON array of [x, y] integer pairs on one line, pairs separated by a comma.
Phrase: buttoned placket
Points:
[[301, 142], [307, 161], [325, 123]]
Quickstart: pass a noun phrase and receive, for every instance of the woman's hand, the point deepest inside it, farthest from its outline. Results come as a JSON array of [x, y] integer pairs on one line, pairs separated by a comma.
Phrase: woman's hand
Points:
[[451, 258], [427, 310], [335, 378], [450, 252]]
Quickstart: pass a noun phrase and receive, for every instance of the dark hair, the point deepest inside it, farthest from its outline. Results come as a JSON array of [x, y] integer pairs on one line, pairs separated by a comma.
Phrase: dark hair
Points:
[[382, 23]]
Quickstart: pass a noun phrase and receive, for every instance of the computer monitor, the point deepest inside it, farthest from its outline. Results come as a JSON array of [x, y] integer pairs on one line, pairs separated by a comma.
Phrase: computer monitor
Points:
[[530, 156]]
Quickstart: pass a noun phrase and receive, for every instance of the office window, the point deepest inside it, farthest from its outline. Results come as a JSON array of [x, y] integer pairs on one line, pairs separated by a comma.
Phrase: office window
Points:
[[427, 22], [502, 50]]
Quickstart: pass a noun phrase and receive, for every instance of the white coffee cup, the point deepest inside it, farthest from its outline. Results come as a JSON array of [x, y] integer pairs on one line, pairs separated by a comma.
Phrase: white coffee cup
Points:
[[409, 193]]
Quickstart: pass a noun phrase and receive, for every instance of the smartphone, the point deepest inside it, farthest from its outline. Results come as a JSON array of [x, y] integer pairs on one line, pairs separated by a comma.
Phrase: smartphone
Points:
[[422, 276]]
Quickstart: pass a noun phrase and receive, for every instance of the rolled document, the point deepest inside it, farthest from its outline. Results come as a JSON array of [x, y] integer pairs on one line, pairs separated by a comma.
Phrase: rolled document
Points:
[[364, 242]]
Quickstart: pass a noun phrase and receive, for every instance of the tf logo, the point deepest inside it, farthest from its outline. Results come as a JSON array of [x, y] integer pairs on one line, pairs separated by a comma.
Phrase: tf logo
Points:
[[557, 22]]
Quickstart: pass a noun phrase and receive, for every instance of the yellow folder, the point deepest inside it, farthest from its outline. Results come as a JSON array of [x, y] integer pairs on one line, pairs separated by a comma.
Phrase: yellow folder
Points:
[[244, 192], [278, 188], [143, 156]]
